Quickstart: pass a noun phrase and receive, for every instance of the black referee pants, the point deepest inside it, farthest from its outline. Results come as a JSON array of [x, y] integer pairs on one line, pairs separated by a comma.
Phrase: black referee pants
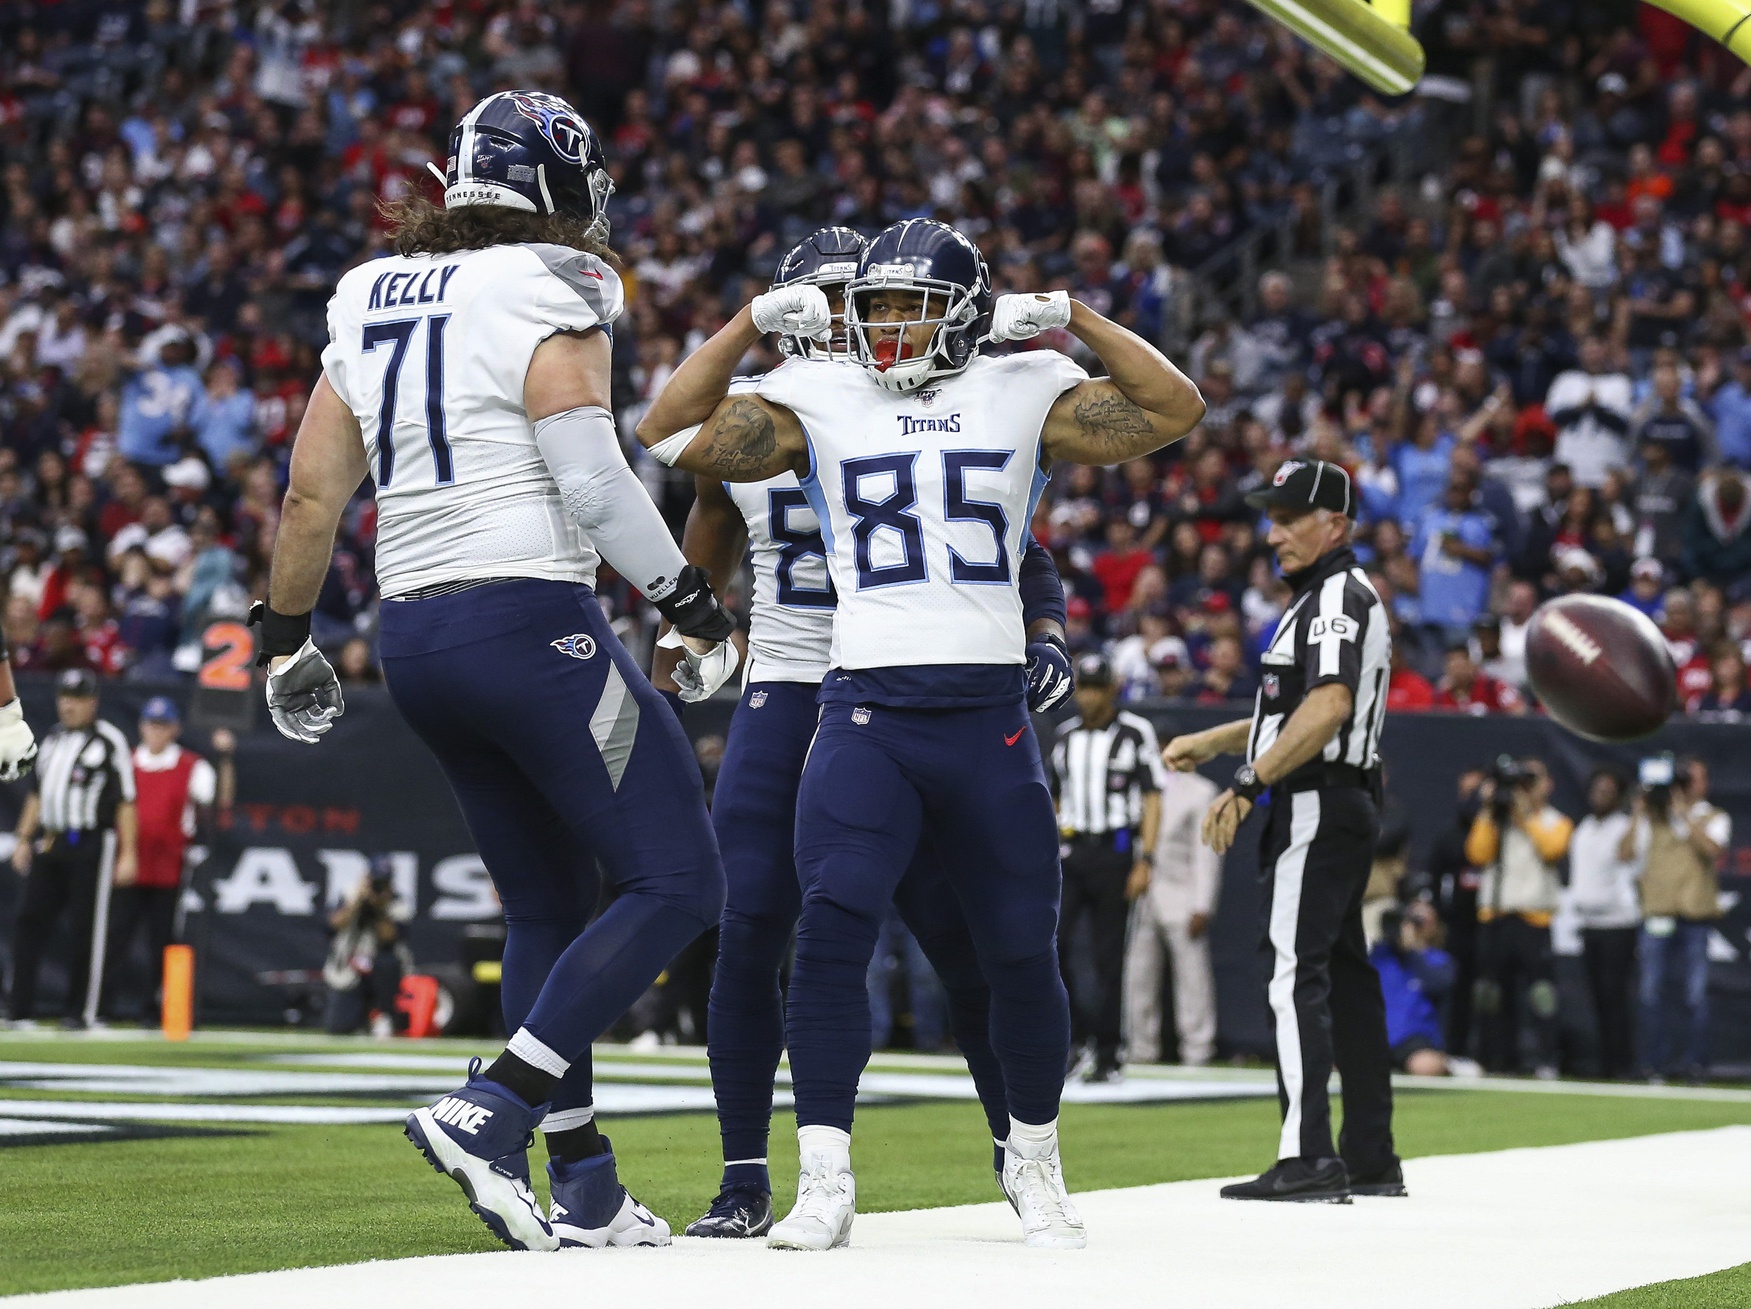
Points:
[[1325, 999], [136, 911], [70, 877], [1094, 885]]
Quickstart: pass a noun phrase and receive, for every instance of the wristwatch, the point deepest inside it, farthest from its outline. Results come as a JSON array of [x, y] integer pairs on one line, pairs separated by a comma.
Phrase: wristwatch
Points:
[[1247, 784]]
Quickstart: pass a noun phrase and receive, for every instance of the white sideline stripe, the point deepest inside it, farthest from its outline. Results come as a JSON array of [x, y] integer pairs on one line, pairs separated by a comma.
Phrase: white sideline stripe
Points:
[[609, 1064], [1518, 1229], [38, 1127], [679, 1087]]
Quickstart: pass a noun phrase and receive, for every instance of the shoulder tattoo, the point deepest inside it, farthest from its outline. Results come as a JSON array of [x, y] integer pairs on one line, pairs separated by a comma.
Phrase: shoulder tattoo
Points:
[[1112, 420], [743, 438]]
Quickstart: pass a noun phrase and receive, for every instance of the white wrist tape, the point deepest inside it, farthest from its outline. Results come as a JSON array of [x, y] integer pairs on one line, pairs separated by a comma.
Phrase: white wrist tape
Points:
[[670, 448]]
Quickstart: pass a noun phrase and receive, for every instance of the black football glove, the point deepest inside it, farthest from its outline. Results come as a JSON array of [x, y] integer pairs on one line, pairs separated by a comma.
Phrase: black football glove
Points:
[[1049, 677]]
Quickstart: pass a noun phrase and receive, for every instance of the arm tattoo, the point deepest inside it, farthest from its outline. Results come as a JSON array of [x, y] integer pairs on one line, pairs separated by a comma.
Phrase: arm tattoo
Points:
[[1113, 422], [743, 440]]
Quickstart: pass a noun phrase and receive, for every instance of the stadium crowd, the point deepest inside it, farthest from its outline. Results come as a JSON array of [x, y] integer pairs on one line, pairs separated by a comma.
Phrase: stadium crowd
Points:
[[1535, 363]]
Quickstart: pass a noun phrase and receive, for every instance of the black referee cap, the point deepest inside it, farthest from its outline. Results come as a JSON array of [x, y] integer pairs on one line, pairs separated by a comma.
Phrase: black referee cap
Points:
[[1092, 669], [77, 681], [1307, 484]]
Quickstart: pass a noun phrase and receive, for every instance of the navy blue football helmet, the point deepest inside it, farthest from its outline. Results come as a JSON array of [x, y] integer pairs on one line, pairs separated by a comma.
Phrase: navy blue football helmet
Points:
[[529, 150], [827, 259], [954, 287]]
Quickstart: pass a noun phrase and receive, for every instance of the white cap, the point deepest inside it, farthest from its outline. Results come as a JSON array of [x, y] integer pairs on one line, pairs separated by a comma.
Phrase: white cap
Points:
[[188, 474]]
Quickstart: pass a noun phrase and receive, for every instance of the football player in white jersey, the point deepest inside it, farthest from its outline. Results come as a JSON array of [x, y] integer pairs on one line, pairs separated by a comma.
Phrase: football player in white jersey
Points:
[[468, 378], [923, 468], [754, 809]]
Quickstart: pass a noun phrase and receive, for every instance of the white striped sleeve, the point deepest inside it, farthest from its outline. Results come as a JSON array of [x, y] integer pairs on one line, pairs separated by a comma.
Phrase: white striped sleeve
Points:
[[121, 757], [1151, 761], [1334, 635]]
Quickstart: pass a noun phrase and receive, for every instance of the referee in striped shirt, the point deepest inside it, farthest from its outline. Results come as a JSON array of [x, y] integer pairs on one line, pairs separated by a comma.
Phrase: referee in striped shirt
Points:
[[1107, 773], [76, 838], [1313, 742]]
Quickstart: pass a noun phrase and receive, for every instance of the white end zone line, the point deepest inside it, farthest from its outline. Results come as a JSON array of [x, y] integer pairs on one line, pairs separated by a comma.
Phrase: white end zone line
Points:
[[1515, 1229]]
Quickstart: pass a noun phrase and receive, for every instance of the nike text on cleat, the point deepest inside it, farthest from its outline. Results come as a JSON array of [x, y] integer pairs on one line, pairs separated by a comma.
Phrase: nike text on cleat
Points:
[[1303, 1181], [737, 1213], [1034, 1183], [826, 1202], [479, 1137], [592, 1209]]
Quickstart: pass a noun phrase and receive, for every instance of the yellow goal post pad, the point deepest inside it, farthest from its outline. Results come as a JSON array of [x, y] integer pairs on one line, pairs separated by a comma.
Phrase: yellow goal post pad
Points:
[[1371, 41], [1726, 21]]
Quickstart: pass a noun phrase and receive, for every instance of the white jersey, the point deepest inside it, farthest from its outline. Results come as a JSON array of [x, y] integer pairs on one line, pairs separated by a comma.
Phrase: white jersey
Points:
[[790, 637], [925, 499], [430, 353], [790, 632]]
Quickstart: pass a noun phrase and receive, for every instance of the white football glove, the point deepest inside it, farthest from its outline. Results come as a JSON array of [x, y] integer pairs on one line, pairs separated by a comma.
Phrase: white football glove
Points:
[[17, 742], [796, 310], [304, 696], [1023, 317], [698, 676]]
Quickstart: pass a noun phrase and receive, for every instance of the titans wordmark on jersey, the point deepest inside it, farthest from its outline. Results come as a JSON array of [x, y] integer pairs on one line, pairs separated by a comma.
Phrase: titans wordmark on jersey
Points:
[[430, 353], [924, 501]]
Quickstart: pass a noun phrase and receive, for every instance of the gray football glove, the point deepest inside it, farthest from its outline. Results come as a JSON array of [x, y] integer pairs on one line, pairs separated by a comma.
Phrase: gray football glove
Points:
[[698, 676], [304, 696], [17, 743]]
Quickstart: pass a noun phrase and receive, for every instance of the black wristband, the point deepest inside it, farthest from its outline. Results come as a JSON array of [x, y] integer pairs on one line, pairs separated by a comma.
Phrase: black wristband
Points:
[[1052, 639], [1247, 784], [693, 610], [281, 634]]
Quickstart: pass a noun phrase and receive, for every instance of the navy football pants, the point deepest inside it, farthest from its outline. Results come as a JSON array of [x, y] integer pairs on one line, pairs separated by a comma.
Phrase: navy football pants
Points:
[[969, 782], [755, 813], [569, 768]]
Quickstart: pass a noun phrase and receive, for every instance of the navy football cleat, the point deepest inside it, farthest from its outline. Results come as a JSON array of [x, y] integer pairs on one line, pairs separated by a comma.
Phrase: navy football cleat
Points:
[[479, 1137], [591, 1208], [737, 1212]]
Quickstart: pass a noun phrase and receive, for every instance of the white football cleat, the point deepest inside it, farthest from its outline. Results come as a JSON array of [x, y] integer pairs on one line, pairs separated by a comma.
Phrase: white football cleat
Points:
[[826, 1202], [1033, 1179]]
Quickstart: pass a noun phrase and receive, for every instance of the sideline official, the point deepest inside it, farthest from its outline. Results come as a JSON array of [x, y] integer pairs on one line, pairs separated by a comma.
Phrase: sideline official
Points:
[[76, 839], [1313, 743], [1107, 774], [175, 786]]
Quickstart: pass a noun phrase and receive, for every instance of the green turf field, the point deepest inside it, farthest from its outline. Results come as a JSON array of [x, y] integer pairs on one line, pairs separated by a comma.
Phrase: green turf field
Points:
[[261, 1198]]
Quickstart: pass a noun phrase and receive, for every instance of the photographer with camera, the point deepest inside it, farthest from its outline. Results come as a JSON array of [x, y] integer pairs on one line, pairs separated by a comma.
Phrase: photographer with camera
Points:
[[1605, 863], [1519, 842], [1681, 836], [1417, 978], [366, 958]]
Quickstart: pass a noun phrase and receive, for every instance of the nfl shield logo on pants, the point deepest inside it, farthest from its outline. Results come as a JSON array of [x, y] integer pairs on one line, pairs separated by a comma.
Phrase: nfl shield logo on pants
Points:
[[860, 716], [757, 699]]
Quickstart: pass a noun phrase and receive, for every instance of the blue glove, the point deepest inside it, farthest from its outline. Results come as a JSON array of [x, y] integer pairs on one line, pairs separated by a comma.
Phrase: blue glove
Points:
[[1049, 679]]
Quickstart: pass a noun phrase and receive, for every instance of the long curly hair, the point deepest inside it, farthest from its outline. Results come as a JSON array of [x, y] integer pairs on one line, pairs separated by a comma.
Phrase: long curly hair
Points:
[[419, 227]]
